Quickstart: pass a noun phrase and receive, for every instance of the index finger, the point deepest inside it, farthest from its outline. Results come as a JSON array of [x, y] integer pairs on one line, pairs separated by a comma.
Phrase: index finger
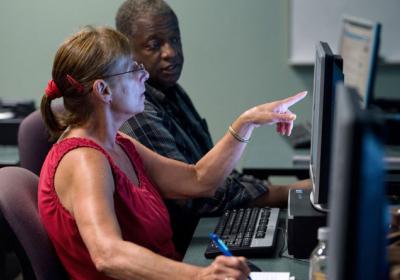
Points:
[[294, 99]]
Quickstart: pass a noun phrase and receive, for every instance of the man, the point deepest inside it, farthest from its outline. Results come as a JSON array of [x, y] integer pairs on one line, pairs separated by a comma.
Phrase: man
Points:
[[170, 124]]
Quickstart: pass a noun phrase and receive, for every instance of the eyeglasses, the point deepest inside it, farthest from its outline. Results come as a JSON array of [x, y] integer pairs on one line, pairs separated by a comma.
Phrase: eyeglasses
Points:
[[136, 68]]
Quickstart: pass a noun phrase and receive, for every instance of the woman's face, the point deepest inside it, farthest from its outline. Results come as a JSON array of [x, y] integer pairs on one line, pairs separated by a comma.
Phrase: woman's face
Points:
[[127, 85]]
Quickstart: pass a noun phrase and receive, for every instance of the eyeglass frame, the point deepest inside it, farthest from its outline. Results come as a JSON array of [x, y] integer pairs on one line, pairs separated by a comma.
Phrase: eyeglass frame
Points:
[[139, 67]]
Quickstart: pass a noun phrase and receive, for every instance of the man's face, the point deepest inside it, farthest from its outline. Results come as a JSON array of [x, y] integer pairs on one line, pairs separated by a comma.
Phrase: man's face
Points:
[[157, 44]]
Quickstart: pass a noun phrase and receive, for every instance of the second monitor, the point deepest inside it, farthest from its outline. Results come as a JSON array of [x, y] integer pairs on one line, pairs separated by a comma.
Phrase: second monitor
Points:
[[359, 47]]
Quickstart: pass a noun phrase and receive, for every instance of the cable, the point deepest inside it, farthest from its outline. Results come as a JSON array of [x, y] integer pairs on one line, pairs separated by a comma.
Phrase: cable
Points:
[[283, 253], [280, 251], [295, 259]]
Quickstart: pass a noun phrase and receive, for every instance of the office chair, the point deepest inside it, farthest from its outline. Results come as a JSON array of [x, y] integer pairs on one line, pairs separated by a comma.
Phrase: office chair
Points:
[[34, 140], [21, 228]]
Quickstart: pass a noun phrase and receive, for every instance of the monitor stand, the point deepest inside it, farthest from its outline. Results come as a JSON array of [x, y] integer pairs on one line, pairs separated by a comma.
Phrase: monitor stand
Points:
[[319, 207]]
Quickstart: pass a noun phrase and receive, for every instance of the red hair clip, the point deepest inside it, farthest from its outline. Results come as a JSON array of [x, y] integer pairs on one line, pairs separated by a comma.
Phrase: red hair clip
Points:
[[77, 85], [52, 90]]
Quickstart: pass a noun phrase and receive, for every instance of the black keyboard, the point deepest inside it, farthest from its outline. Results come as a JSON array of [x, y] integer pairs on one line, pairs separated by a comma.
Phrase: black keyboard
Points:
[[248, 232], [301, 136]]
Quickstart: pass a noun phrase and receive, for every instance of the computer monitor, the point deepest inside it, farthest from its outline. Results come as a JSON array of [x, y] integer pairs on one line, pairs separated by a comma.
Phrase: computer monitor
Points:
[[327, 72], [357, 216], [359, 48]]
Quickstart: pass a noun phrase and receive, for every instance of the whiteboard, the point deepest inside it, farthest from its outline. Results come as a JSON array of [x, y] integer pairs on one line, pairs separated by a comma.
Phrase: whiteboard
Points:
[[320, 20]]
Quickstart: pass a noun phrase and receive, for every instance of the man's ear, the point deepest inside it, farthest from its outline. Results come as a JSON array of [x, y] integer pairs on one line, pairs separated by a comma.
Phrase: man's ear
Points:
[[102, 90]]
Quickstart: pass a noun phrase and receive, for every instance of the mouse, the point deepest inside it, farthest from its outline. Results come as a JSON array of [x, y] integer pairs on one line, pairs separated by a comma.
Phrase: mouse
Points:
[[253, 267]]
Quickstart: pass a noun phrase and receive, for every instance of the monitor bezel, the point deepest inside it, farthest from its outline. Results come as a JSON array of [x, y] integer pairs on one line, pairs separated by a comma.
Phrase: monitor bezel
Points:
[[320, 152]]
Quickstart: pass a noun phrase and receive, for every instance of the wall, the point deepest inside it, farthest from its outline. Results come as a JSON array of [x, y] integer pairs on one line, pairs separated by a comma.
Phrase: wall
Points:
[[235, 51], [323, 26]]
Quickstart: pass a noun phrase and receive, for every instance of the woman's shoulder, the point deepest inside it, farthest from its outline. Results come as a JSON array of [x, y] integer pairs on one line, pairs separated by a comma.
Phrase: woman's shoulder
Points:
[[77, 149], [86, 160]]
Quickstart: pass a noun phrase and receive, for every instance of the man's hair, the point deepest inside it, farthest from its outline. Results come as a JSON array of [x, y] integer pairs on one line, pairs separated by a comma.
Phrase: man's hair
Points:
[[131, 11]]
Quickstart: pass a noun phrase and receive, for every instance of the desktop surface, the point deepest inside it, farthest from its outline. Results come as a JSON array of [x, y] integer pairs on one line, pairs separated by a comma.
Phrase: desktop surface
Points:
[[200, 241], [9, 155], [300, 138], [268, 149], [269, 154]]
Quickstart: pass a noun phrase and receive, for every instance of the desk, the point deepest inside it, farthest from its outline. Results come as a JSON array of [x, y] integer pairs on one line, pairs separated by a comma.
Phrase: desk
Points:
[[195, 252], [269, 154], [392, 158], [9, 155]]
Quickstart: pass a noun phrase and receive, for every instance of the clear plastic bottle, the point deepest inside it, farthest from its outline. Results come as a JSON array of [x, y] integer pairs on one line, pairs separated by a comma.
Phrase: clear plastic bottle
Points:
[[318, 261]]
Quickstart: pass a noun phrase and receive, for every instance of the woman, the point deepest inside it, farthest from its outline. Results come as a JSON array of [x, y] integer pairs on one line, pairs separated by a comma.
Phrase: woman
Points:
[[101, 192]]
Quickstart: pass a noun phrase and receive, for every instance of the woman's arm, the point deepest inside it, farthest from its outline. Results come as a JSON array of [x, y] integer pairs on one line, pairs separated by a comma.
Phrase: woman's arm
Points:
[[179, 180], [85, 186]]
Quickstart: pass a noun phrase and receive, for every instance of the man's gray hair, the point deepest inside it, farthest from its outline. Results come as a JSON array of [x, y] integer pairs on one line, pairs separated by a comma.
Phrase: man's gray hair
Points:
[[131, 11]]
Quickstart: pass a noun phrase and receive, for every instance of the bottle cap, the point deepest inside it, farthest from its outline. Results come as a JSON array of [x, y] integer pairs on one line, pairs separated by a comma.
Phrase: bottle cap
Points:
[[323, 233]]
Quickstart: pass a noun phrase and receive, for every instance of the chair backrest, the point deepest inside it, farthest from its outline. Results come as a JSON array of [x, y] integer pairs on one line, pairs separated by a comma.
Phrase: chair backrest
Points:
[[34, 140], [21, 226]]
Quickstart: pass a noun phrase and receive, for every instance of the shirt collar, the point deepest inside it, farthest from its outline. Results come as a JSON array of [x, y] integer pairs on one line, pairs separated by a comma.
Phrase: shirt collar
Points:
[[160, 95]]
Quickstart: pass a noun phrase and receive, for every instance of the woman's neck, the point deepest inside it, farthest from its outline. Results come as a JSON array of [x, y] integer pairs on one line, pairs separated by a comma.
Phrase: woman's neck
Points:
[[101, 131]]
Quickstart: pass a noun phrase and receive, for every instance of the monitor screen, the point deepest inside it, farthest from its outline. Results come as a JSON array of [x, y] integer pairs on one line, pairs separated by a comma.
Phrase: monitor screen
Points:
[[327, 72], [359, 47], [357, 217]]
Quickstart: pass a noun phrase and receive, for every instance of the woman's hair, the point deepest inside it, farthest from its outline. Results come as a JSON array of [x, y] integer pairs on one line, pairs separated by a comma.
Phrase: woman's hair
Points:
[[90, 54]]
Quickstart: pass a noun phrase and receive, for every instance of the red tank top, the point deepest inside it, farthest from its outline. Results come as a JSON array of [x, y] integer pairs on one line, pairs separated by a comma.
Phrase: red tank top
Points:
[[140, 210]]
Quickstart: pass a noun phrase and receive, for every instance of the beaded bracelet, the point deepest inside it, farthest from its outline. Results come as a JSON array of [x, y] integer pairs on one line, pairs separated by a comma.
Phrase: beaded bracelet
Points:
[[237, 136]]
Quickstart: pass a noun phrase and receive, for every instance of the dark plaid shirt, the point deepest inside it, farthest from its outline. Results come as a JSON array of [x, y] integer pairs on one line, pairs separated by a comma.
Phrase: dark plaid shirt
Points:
[[171, 126]]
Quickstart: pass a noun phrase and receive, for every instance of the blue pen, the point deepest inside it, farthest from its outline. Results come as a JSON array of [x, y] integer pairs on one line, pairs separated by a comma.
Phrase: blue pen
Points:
[[222, 246]]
